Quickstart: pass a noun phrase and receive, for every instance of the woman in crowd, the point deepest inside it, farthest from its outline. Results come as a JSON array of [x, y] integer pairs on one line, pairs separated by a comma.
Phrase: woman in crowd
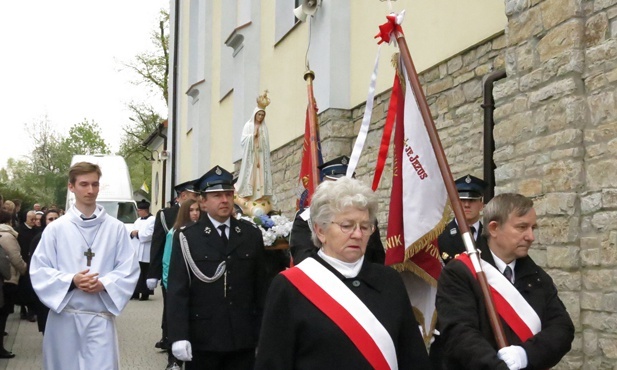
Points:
[[336, 310], [38, 218], [41, 310], [188, 213], [8, 242], [9, 206]]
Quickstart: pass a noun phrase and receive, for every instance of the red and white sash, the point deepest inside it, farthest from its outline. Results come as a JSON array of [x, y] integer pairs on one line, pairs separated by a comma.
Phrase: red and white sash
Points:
[[510, 304], [331, 296]]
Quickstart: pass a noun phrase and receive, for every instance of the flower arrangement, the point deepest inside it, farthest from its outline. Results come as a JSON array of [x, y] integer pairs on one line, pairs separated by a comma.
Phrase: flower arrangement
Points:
[[274, 228]]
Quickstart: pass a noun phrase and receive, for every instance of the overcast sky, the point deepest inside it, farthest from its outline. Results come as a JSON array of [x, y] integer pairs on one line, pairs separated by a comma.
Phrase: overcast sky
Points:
[[62, 59]]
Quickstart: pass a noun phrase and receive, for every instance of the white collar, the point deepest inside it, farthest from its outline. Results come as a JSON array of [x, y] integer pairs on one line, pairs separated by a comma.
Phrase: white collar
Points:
[[347, 269], [216, 224], [501, 265]]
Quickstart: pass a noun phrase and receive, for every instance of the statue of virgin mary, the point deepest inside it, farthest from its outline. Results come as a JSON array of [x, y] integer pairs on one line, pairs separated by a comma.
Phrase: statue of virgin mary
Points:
[[255, 178]]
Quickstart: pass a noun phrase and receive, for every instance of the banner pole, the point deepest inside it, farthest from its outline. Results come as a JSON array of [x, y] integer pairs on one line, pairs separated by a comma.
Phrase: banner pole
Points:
[[442, 161]]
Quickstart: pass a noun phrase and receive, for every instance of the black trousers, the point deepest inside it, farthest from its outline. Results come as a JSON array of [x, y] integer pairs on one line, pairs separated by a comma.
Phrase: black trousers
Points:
[[236, 360], [142, 287]]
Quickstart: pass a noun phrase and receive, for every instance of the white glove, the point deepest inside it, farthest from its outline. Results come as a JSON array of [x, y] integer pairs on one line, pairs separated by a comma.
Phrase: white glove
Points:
[[152, 283], [181, 350], [514, 356]]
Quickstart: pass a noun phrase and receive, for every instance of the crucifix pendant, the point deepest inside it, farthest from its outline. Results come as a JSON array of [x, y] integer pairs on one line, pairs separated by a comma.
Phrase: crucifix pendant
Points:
[[89, 254]]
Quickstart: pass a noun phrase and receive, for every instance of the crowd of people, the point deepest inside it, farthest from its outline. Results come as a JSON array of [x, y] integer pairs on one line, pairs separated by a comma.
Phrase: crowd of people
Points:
[[229, 303], [20, 232]]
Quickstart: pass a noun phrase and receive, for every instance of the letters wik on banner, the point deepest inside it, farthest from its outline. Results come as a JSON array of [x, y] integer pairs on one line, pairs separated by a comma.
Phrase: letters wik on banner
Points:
[[419, 210]]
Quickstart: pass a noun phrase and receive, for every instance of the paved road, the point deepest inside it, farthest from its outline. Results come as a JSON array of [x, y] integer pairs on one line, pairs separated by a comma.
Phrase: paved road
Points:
[[138, 330]]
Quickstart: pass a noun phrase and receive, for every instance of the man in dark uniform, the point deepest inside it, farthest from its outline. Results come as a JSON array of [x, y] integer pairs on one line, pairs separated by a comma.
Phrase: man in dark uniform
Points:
[[537, 326], [217, 284], [300, 243], [470, 191], [165, 219]]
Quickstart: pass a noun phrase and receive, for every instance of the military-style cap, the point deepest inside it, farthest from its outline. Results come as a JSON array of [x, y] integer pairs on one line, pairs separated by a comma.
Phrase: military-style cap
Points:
[[334, 169], [185, 186], [470, 187], [217, 179], [143, 204]]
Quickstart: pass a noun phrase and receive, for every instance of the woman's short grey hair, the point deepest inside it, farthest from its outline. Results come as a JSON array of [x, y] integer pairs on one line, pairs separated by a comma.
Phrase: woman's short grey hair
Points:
[[332, 197], [502, 206]]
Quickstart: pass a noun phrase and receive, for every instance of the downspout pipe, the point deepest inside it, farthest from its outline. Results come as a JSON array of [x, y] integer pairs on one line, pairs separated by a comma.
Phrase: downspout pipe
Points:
[[174, 102], [160, 134], [489, 124]]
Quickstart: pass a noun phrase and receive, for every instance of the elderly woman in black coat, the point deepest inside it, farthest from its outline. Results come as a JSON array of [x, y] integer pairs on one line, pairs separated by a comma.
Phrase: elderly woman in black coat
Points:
[[42, 311], [336, 310]]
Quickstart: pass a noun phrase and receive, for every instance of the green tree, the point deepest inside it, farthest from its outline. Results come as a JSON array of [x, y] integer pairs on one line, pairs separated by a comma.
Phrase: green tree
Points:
[[152, 67], [43, 175], [136, 155]]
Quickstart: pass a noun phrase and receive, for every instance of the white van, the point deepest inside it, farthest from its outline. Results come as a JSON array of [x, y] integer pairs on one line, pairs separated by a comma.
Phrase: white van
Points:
[[115, 190]]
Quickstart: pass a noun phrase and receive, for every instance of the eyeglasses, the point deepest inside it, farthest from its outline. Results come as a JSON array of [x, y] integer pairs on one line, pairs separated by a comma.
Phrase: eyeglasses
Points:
[[366, 228], [52, 218]]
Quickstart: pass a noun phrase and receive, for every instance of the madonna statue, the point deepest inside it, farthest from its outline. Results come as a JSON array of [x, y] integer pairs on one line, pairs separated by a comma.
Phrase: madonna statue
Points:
[[255, 178]]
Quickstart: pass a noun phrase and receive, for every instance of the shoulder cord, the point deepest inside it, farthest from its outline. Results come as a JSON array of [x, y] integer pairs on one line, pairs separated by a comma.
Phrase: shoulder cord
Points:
[[164, 222], [190, 263]]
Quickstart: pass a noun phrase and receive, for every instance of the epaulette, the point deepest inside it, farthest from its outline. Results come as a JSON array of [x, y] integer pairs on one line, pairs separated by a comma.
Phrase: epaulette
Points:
[[189, 225], [242, 221]]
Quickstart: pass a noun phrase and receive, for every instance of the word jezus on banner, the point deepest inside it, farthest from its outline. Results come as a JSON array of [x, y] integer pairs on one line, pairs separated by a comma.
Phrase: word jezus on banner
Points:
[[415, 161]]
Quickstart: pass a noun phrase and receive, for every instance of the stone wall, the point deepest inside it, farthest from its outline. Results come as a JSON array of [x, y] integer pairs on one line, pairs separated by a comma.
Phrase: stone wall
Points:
[[555, 141]]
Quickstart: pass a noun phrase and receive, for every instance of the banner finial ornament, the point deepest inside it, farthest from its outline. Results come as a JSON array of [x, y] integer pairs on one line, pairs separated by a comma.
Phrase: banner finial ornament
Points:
[[387, 29]]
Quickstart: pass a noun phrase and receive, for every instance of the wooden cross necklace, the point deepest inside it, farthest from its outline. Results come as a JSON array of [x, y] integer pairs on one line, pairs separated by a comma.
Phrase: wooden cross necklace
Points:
[[88, 253]]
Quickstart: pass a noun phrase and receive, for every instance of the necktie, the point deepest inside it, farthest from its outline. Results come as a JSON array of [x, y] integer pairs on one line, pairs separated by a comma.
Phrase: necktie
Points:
[[472, 230], [223, 235], [508, 273]]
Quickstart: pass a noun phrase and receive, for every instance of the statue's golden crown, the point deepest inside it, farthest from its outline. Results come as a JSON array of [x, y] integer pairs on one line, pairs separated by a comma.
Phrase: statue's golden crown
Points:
[[263, 101]]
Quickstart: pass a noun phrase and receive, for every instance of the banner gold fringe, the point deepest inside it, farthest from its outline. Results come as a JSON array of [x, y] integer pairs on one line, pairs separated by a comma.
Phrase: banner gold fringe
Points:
[[422, 243]]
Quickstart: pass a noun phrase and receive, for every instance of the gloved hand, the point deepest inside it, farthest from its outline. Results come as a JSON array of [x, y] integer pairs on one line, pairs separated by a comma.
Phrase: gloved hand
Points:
[[181, 350], [152, 283], [514, 356]]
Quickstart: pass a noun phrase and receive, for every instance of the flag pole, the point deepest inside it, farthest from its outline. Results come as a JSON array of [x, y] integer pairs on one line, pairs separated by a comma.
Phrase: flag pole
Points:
[[309, 76], [442, 161]]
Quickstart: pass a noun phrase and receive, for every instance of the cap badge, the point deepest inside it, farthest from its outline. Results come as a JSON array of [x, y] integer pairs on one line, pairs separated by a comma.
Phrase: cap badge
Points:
[[218, 171], [344, 161], [468, 179]]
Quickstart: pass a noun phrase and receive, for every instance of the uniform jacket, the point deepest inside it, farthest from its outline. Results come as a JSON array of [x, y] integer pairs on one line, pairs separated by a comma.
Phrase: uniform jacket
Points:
[[468, 339], [223, 315], [302, 246], [450, 242], [297, 335], [155, 271]]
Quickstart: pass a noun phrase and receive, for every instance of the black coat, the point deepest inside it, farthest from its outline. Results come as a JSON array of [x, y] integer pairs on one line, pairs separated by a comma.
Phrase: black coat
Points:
[[450, 242], [223, 315], [465, 329], [157, 247], [297, 335], [301, 245]]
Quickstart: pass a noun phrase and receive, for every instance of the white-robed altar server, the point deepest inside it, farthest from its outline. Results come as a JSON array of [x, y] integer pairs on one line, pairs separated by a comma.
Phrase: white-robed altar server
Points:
[[85, 271], [141, 237]]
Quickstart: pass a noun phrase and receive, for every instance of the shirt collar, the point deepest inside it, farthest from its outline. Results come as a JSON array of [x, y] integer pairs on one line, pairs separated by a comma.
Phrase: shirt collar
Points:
[[501, 265], [216, 224]]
